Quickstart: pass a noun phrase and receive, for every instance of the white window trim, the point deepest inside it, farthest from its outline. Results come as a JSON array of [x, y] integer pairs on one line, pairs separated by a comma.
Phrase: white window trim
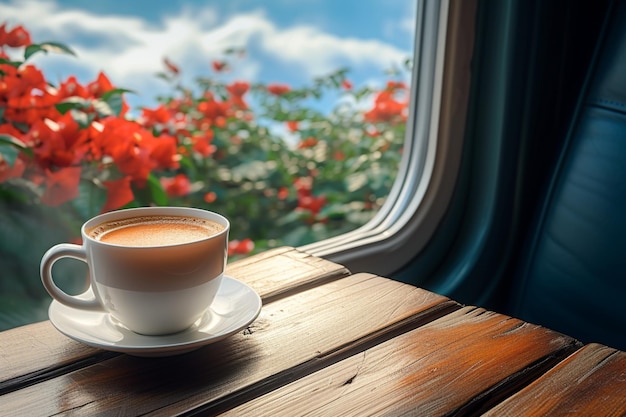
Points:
[[433, 143]]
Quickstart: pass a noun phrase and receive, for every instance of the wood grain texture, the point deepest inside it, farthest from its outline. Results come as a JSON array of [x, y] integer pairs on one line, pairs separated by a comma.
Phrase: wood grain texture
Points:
[[38, 351], [279, 272], [454, 365], [30, 351], [591, 382], [293, 337]]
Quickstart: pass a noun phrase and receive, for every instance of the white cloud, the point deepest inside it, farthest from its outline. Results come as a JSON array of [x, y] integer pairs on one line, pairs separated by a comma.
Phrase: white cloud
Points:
[[318, 52]]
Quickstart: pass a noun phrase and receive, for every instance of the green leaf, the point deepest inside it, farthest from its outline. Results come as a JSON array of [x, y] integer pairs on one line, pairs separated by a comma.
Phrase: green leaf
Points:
[[6, 61], [9, 153], [115, 100], [83, 119], [159, 197], [103, 108], [114, 92], [90, 200], [9, 141], [72, 103], [46, 47]]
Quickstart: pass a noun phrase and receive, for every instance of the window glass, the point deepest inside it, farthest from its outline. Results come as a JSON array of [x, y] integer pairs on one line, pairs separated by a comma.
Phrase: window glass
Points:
[[287, 117]]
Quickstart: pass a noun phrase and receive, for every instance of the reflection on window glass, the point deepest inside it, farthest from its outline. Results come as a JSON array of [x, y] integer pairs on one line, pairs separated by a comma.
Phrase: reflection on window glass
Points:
[[287, 117]]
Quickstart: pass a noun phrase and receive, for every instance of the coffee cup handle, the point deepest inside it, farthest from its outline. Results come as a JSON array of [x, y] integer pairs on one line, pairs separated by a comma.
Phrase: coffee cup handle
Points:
[[65, 250]]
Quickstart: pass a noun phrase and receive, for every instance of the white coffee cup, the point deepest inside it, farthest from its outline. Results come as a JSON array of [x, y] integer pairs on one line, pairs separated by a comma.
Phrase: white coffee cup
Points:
[[156, 286]]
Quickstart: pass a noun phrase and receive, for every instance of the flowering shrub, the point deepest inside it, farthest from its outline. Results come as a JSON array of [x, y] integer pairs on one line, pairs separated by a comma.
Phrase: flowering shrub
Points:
[[75, 146], [74, 150]]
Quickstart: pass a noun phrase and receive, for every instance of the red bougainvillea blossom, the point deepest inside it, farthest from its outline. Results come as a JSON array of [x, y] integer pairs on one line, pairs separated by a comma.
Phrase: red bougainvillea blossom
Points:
[[308, 143], [61, 186], [210, 197], [292, 125], [388, 109], [306, 200], [240, 247], [219, 66], [8, 171], [214, 111], [16, 37], [282, 193], [58, 143], [237, 90], [278, 89], [155, 117], [119, 193], [177, 186], [201, 143]]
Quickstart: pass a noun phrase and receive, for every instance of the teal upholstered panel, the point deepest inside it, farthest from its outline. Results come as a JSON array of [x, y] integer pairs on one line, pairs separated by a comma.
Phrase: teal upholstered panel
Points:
[[575, 275]]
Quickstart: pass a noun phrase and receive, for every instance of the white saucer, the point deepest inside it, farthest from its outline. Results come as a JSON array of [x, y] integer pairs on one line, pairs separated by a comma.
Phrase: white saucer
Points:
[[236, 305]]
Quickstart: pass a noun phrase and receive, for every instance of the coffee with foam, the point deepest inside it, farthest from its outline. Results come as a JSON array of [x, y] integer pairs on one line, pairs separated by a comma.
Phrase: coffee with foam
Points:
[[156, 270], [156, 230]]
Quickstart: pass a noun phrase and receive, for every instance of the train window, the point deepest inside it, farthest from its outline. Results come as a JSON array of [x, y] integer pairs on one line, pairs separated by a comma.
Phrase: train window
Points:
[[415, 206]]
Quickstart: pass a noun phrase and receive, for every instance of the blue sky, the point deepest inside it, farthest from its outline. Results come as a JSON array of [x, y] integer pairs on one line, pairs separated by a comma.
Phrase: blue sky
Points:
[[286, 41]]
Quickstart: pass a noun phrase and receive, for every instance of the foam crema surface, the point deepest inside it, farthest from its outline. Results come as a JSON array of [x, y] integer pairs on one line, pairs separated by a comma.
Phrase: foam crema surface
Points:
[[156, 230]]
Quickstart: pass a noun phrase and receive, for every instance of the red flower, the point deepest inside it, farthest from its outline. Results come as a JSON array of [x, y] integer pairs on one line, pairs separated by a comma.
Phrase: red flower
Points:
[[119, 193], [308, 143], [238, 88], [25, 95], [58, 144], [278, 89], [176, 187], [306, 200], [128, 144], [61, 186], [347, 85], [213, 110], [219, 66], [133, 149], [7, 171], [237, 91], [170, 66], [282, 193], [72, 88], [240, 247], [151, 117], [292, 125], [387, 109], [303, 185], [101, 85], [396, 85], [210, 197], [202, 143], [18, 36], [311, 203], [163, 151]]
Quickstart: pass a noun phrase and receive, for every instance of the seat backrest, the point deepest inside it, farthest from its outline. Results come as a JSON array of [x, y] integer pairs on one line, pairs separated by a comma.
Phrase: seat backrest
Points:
[[574, 277]]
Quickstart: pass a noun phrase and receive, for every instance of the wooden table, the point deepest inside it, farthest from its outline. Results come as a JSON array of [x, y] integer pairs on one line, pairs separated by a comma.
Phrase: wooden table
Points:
[[326, 343]]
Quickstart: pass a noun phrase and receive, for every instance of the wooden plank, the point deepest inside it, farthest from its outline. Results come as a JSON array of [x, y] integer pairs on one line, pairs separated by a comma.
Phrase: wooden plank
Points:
[[293, 337], [37, 351], [454, 365], [279, 272], [590, 382]]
